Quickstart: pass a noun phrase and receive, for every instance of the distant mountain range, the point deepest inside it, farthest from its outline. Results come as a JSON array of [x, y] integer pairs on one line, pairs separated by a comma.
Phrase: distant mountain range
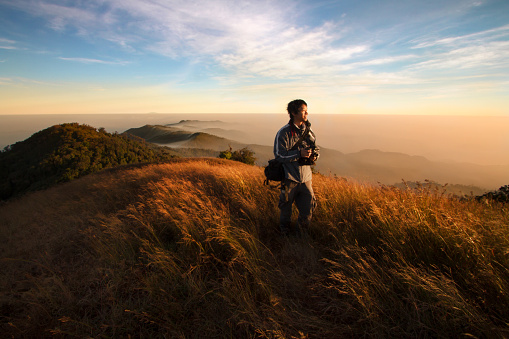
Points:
[[68, 151], [367, 165]]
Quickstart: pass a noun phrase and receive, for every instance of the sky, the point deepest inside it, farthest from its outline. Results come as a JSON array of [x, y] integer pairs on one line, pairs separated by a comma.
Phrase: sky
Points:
[[412, 57]]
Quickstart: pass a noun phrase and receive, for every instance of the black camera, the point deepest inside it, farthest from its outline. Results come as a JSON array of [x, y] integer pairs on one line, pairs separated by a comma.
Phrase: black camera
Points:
[[311, 159]]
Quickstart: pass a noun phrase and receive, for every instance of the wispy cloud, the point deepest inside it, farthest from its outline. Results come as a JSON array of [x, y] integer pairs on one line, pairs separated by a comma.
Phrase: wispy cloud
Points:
[[22, 82], [5, 81], [384, 61], [59, 16], [6, 41], [251, 38], [487, 55], [293, 53], [245, 42], [7, 44], [477, 37], [94, 61]]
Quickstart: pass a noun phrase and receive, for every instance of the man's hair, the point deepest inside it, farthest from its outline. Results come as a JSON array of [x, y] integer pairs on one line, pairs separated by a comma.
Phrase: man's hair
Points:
[[294, 106]]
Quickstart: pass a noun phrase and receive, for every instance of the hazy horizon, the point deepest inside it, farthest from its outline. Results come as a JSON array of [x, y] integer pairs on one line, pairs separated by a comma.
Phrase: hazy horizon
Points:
[[469, 139]]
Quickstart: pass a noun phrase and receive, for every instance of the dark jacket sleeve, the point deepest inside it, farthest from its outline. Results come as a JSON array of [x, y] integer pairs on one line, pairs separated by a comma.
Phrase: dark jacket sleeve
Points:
[[282, 144]]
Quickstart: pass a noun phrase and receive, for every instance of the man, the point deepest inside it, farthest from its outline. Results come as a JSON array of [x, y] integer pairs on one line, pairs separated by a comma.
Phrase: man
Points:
[[297, 163]]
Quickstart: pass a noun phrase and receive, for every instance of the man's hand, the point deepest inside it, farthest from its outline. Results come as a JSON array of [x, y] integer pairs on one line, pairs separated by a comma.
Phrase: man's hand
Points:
[[305, 152]]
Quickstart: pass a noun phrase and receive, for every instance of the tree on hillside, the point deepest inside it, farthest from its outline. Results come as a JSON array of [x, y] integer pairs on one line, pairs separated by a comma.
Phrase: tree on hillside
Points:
[[244, 155], [227, 154]]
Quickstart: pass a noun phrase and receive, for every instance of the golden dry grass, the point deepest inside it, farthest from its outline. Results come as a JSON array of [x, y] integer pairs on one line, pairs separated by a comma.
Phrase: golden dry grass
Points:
[[190, 249]]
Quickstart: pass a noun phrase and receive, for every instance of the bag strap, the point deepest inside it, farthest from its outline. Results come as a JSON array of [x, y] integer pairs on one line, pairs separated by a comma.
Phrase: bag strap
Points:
[[302, 137]]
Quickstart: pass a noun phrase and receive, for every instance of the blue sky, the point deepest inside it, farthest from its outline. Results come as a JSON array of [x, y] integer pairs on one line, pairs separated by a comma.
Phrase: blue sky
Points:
[[344, 57]]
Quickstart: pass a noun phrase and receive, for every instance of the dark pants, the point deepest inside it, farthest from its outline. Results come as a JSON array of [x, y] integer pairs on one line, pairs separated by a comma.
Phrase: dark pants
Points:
[[304, 198]]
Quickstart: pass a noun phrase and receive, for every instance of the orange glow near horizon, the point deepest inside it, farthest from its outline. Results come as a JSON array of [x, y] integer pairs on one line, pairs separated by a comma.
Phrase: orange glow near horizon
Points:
[[89, 100]]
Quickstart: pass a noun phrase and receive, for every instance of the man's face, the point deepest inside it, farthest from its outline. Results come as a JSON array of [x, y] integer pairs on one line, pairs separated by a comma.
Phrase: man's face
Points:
[[301, 115]]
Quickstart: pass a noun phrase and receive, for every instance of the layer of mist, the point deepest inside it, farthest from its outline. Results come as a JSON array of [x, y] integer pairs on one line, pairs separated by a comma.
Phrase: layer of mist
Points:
[[477, 140], [455, 150]]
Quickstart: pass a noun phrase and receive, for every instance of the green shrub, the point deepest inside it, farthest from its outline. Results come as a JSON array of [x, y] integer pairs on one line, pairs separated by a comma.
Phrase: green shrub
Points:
[[244, 155]]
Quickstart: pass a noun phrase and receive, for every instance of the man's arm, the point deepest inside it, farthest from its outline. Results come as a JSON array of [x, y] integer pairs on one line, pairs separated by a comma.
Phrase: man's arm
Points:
[[281, 148]]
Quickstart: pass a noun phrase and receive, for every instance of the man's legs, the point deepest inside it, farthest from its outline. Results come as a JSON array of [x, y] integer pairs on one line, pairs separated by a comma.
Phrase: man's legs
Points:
[[305, 201], [302, 194], [286, 199]]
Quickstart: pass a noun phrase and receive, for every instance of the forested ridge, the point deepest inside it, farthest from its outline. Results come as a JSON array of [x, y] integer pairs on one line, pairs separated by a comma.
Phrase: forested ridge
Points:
[[68, 151]]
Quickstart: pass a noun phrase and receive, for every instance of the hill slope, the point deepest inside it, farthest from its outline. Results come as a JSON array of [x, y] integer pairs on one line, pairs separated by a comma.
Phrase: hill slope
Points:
[[216, 127], [176, 137], [190, 249], [64, 152]]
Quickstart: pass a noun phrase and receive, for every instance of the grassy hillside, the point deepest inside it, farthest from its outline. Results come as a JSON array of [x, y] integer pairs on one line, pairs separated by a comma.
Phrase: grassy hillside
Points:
[[191, 249], [64, 152]]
